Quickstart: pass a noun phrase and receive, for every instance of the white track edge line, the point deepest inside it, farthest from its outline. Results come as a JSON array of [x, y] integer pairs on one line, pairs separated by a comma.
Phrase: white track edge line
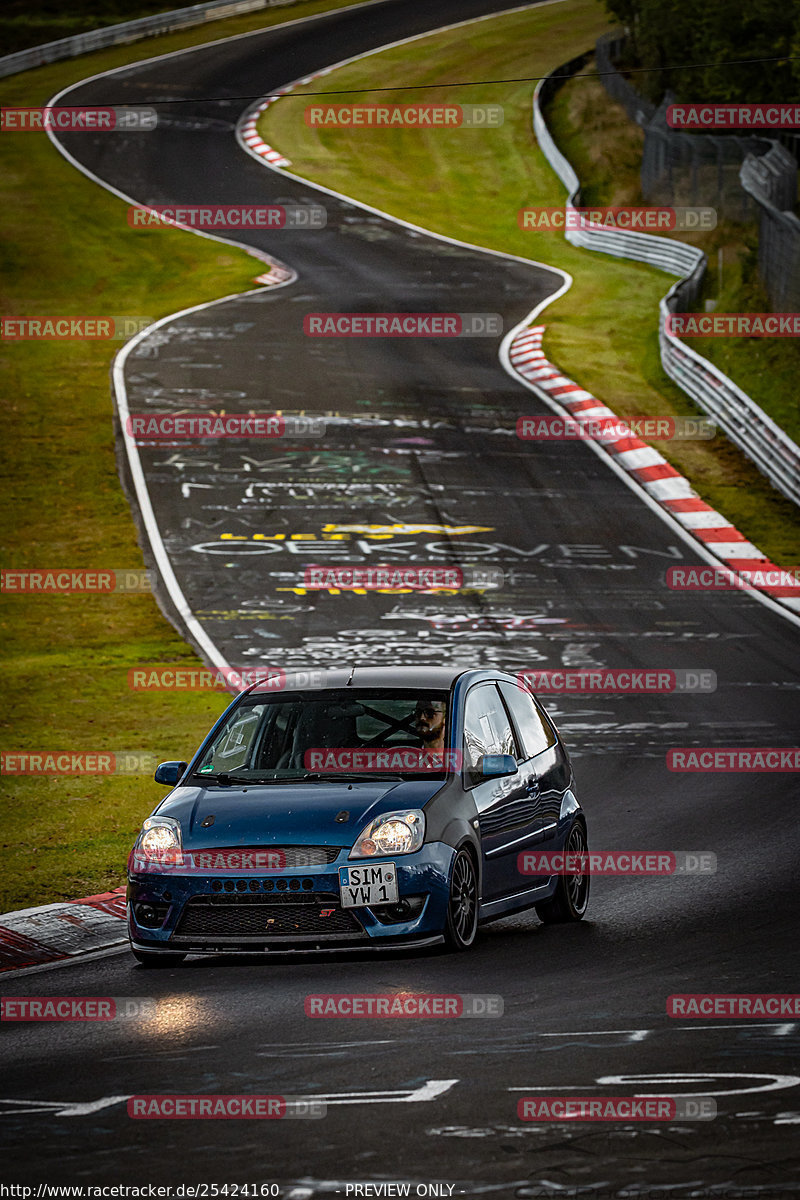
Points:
[[635, 486], [153, 532], [631, 482], [158, 547]]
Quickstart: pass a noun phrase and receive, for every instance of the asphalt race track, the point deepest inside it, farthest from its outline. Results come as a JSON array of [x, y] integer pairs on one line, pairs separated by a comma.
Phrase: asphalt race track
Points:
[[420, 434]]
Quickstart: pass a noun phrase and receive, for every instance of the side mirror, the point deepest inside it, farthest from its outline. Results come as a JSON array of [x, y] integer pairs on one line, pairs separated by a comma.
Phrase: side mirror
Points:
[[169, 773], [497, 765]]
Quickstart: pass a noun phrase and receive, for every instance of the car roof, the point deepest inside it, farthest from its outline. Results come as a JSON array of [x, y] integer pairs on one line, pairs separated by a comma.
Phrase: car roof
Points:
[[415, 677], [384, 677]]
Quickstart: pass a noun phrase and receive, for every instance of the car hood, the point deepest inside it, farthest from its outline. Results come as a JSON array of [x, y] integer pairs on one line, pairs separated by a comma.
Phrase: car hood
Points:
[[292, 814]]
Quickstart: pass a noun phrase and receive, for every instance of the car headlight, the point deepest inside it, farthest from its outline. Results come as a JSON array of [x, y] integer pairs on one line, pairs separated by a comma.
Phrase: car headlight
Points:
[[160, 839], [400, 832]]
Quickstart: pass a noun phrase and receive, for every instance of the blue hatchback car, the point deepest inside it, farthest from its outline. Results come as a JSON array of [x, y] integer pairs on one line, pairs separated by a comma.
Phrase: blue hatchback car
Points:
[[373, 808]]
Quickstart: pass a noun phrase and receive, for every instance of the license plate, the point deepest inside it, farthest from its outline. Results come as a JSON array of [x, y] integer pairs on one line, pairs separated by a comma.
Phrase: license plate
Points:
[[368, 885]]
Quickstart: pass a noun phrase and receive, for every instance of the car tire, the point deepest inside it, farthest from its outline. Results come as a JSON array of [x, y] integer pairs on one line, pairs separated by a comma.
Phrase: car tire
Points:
[[462, 903], [148, 959], [571, 897]]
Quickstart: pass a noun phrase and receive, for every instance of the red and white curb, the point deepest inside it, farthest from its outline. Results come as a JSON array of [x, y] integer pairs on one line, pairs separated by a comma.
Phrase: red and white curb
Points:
[[256, 144], [650, 469], [254, 139], [276, 276], [54, 932], [249, 133]]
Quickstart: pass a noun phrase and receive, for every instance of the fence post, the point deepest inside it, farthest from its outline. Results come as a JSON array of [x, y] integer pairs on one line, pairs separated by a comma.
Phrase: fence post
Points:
[[772, 182]]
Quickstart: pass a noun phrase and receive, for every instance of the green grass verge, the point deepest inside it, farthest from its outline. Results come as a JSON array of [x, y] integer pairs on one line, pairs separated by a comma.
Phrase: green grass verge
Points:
[[470, 183], [68, 249]]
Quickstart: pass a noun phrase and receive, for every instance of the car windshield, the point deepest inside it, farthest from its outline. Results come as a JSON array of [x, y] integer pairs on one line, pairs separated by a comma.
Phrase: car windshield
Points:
[[333, 734]]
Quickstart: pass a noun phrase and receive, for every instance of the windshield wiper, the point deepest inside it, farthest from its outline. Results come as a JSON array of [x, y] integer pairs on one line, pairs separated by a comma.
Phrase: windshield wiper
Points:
[[270, 779], [361, 776], [228, 780]]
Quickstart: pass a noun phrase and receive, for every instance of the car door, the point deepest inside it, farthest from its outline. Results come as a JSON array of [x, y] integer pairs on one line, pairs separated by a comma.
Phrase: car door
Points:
[[546, 759], [507, 806]]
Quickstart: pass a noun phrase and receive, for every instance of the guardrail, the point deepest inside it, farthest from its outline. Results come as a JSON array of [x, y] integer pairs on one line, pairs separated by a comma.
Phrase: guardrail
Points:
[[129, 31], [745, 423]]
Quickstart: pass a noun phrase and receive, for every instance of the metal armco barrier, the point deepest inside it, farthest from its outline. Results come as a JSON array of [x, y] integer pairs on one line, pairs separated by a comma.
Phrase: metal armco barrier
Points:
[[675, 257], [747, 425], [129, 31]]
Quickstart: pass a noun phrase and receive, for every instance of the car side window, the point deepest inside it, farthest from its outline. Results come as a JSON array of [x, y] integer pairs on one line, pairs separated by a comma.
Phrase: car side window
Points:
[[487, 730], [232, 748], [531, 723]]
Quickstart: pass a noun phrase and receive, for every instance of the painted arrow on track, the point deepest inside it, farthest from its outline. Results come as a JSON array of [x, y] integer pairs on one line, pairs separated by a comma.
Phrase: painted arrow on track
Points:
[[430, 1090]]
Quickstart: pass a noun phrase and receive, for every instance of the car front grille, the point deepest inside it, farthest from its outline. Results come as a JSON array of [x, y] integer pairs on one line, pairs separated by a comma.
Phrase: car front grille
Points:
[[290, 858], [298, 857], [266, 885], [262, 917]]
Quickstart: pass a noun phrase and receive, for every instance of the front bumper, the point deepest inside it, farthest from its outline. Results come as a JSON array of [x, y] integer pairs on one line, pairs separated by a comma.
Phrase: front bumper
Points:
[[287, 910]]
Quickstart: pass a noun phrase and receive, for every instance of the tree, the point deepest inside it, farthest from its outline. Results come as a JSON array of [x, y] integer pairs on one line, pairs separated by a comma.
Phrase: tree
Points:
[[665, 39]]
